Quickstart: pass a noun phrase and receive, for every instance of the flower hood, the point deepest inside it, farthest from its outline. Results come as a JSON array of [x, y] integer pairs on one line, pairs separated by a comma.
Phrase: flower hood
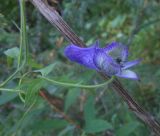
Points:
[[110, 60]]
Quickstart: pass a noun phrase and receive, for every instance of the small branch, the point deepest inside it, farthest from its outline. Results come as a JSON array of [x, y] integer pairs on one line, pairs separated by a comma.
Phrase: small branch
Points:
[[57, 104], [53, 17]]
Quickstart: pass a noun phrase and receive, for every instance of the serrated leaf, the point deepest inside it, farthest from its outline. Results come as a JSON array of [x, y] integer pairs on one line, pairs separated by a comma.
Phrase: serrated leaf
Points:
[[13, 52], [45, 71], [97, 125], [127, 129], [89, 110], [71, 97]]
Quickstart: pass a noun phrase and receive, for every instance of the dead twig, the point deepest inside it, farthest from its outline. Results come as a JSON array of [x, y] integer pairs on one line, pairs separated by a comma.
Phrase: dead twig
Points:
[[57, 104]]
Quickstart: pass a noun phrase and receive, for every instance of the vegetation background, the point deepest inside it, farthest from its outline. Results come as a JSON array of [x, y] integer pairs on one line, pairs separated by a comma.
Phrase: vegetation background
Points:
[[99, 111]]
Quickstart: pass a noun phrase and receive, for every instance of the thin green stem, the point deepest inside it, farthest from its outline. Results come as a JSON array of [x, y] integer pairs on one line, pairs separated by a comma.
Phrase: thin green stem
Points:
[[13, 75], [22, 77], [23, 34], [76, 85], [23, 44], [20, 81], [10, 90]]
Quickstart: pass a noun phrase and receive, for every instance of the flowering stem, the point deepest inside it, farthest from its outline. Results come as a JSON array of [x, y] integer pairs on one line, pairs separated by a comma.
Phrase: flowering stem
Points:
[[53, 17], [76, 85]]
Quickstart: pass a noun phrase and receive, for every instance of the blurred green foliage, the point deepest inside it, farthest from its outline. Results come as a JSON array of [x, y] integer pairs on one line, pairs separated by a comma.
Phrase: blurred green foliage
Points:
[[100, 112]]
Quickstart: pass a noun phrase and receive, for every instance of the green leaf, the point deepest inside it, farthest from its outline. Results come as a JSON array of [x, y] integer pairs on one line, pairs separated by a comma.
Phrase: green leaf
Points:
[[45, 71], [97, 125], [48, 125], [31, 91], [28, 118], [71, 97], [118, 21], [102, 22], [93, 125], [67, 131], [83, 134], [13, 52], [7, 96], [34, 64], [89, 110], [127, 129]]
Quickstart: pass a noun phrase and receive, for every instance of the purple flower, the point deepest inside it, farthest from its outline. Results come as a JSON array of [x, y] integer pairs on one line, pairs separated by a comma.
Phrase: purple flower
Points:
[[110, 60]]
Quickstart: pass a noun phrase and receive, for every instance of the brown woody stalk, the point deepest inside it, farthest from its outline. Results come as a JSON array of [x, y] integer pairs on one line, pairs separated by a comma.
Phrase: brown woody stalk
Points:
[[57, 104], [56, 20]]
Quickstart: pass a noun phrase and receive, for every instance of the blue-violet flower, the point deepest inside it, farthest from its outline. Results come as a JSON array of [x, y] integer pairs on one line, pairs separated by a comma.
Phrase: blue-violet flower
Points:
[[110, 60]]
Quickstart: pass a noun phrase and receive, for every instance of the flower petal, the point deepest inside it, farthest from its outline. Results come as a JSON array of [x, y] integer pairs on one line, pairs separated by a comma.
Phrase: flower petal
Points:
[[105, 63], [128, 74], [83, 56], [131, 63], [117, 51], [111, 46]]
